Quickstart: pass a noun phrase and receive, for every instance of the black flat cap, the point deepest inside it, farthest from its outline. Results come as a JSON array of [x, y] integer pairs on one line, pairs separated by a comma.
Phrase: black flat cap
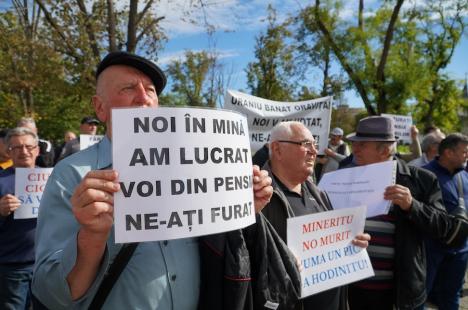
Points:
[[142, 64], [89, 120]]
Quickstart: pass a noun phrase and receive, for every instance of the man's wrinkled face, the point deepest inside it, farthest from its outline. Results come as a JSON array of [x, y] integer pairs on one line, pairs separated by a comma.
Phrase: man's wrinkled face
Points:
[[367, 152], [122, 86], [69, 135], [298, 154], [459, 155], [88, 128], [23, 151], [335, 140]]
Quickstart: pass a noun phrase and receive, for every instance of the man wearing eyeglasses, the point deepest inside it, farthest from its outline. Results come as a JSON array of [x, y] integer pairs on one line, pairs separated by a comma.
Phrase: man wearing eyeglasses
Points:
[[16, 235], [292, 158]]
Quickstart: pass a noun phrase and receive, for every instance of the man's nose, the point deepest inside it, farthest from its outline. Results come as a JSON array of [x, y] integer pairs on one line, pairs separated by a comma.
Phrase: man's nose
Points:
[[142, 97]]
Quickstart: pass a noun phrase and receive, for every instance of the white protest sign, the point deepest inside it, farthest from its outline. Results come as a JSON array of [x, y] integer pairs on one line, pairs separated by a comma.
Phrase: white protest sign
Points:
[[322, 241], [29, 186], [88, 140], [263, 115], [183, 172], [402, 127], [363, 185]]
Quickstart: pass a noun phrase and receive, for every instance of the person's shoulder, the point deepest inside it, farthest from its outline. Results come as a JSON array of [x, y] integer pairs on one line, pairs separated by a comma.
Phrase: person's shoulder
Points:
[[422, 172], [78, 162], [7, 171]]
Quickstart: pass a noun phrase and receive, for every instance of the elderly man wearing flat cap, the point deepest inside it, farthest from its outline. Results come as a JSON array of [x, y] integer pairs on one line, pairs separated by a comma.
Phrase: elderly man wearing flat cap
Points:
[[397, 248], [75, 242], [88, 126]]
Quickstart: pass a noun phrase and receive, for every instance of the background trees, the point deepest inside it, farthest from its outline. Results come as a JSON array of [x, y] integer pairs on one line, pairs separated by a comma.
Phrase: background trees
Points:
[[393, 54]]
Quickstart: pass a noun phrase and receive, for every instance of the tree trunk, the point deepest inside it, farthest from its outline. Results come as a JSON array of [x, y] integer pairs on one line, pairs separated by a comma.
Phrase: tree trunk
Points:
[[111, 26]]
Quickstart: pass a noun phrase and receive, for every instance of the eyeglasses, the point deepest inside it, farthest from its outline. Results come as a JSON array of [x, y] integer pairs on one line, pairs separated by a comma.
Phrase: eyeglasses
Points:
[[304, 143], [28, 147]]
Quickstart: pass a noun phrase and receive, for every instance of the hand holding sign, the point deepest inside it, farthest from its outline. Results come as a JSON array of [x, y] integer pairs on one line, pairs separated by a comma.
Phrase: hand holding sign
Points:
[[399, 195], [8, 204], [262, 188], [361, 240], [93, 201]]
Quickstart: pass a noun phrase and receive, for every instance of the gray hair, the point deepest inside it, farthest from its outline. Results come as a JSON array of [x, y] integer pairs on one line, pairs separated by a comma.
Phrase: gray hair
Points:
[[20, 131], [430, 139], [24, 121], [283, 130], [391, 146]]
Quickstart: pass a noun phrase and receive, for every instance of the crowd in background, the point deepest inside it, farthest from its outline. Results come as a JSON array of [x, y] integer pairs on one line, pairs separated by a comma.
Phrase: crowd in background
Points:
[[63, 259]]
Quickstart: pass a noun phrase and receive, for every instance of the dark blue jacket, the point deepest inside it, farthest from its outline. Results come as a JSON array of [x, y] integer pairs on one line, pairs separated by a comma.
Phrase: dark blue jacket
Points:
[[16, 236], [448, 183]]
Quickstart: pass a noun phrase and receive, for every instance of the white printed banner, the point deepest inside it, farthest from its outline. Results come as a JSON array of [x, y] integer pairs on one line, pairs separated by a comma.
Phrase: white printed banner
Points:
[[29, 186], [402, 127], [183, 173], [88, 140], [322, 242], [363, 185], [263, 115]]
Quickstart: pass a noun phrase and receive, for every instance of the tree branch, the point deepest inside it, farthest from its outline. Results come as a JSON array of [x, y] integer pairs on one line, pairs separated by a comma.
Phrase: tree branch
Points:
[[353, 76], [147, 28], [143, 12], [380, 74], [51, 21], [111, 26], [89, 30]]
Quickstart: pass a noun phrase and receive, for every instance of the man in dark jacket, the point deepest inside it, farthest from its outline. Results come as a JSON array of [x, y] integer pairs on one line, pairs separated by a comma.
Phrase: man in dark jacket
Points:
[[292, 158], [397, 249], [446, 265]]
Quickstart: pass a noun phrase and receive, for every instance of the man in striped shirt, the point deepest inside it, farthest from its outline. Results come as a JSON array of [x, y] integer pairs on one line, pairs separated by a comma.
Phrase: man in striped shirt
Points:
[[397, 247]]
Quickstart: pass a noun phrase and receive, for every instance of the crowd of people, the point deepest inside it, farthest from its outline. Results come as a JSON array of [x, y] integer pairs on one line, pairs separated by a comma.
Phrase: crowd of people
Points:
[[67, 258]]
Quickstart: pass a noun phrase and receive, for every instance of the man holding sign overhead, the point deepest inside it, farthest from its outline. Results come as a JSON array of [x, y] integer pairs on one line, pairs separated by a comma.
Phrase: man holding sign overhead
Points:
[[16, 235], [397, 249], [75, 235]]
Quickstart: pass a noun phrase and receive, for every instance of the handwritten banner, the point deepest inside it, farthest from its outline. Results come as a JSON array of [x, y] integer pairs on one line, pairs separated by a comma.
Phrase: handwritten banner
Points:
[[402, 127], [88, 140], [183, 172], [363, 185], [29, 186], [322, 241], [263, 115]]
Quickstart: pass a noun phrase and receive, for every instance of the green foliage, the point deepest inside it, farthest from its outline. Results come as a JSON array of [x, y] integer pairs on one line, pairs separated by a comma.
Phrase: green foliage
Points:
[[313, 53], [33, 82], [194, 80], [271, 75]]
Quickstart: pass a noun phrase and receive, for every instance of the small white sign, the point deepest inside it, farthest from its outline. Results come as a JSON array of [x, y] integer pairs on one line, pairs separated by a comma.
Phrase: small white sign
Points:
[[403, 125], [263, 115], [322, 242], [183, 173], [363, 185], [88, 140], [29, 186]]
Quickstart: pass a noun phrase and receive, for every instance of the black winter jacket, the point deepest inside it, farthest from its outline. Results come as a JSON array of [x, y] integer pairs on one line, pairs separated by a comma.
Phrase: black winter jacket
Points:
[[427, 216], [248, 269], [278, 210]]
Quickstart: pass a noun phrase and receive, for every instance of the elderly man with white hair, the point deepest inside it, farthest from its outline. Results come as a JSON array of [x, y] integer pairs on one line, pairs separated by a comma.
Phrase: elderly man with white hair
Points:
[[292, 158]]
